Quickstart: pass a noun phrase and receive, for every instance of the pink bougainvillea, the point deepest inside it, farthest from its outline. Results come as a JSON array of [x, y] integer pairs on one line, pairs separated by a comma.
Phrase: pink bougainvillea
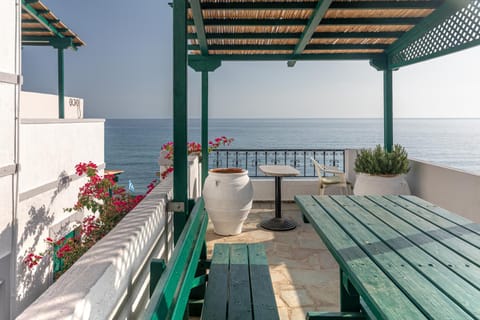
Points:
[[108, 203], [192, 147]]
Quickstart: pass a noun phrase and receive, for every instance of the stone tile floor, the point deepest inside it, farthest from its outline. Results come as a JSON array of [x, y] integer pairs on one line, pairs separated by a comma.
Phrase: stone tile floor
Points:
[[305, 276]]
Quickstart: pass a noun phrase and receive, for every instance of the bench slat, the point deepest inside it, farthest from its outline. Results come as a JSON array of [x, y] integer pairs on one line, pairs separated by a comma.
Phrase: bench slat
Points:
[[216, 297], [263, 297], [240, 303]]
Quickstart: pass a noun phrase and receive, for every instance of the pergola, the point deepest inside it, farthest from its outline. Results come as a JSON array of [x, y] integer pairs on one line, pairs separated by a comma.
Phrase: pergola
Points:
[[388, 34], [40, 27]]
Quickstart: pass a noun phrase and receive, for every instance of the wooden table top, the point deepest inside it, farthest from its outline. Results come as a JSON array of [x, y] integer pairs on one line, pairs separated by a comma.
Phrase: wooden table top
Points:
[[407, 258], [279, 170]]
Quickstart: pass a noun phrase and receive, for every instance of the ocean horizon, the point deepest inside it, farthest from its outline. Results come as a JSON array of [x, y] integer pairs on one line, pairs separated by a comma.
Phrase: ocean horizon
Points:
[[133, 145]]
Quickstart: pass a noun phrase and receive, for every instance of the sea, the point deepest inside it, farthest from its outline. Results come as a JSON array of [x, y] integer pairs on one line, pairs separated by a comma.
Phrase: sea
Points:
[[133, 145]]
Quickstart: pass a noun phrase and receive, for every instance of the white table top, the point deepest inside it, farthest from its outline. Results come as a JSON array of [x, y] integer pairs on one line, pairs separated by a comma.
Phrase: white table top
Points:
[[279, 171]]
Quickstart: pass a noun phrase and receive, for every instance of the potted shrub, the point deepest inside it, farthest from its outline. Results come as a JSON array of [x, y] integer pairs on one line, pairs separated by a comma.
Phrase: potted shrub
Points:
[[380, 172]]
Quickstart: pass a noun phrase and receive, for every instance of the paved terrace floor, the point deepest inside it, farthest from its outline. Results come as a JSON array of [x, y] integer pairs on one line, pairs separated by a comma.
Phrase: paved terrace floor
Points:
[[305, 276]]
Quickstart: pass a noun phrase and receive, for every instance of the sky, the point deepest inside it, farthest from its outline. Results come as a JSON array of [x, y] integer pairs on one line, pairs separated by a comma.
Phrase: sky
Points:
[[125, 71]]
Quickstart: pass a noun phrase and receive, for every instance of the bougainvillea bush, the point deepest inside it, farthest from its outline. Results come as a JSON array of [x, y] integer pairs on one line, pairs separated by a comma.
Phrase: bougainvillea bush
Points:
[[107, 203], [192, 148]]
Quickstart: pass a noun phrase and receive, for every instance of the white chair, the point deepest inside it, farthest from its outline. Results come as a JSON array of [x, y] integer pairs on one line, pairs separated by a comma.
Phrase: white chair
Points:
[[335, 177]]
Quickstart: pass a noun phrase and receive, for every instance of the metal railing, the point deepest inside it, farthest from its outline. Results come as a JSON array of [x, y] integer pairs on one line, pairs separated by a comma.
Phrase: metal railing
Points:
[[250, 159]]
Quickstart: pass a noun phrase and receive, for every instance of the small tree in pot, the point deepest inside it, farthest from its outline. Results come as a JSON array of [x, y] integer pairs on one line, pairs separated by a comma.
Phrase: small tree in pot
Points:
[[380, 172]]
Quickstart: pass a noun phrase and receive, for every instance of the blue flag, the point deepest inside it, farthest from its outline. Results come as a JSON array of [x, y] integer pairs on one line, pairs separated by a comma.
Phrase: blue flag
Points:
[[130, 186]]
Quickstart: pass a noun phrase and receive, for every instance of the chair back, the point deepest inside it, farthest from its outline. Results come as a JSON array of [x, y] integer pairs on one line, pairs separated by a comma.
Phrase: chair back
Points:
[[321, 169]]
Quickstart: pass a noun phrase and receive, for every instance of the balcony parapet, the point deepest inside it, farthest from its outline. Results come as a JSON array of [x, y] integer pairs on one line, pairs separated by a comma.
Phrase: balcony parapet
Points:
[[111, 279]]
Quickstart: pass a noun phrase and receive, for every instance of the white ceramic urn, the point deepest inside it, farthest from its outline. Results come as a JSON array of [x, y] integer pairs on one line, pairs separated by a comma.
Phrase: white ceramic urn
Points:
[[366, 184], [228, 195]]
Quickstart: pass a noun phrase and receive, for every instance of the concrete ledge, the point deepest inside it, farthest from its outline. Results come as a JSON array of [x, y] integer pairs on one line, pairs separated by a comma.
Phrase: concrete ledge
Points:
[[111, 279]]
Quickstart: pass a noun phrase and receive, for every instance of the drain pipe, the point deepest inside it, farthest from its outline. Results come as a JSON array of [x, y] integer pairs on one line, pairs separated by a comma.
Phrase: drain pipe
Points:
[[15, 180]]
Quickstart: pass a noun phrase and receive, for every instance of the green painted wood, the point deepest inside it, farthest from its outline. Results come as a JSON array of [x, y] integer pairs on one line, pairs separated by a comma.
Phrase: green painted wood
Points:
[[282, 5], [271, 47], [303, 22], [180, 132], [315, 18], [240, 301], [387, 110], [455, 244], [216, 296], [166, 295], [189, 279], [41, 19], [381, 295], [349, 297], [335, 315], [438, 16], [445, 224], [263, 296], [202, 63], [451, 284], [303, 57], [455, 218], [157, 266], [204, 126], [463, 267], [426, 295], [199, 26]]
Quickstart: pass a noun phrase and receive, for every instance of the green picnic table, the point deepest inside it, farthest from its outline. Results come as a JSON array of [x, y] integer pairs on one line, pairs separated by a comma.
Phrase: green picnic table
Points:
[[400, 257]]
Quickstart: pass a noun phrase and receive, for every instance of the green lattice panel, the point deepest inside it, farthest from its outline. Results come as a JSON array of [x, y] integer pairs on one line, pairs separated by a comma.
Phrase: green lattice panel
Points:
[[459, 31]]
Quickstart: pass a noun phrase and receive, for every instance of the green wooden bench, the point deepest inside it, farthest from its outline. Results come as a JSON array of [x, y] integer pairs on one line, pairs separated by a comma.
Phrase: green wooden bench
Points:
[[238, 284]]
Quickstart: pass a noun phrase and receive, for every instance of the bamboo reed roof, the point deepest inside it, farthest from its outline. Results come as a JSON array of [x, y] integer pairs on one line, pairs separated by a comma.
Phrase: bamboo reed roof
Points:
[[40, 26], [288, 27]]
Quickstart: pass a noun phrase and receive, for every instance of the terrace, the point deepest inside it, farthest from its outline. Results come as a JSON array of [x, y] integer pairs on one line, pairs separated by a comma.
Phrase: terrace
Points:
[[387, 34]]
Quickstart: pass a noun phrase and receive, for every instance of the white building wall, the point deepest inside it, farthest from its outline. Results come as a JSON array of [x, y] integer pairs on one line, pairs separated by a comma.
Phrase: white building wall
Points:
[[36, 105], [9, 86], [49, 151]]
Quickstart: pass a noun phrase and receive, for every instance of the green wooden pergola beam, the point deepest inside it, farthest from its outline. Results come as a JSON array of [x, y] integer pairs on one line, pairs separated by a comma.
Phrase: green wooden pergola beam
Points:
[[199, 26], [303, 57], [435, 18], [180, 113], [281, 5], [303, 22], [342, 46], [296, 35], [40, 19], [309, 30], [204, 125]]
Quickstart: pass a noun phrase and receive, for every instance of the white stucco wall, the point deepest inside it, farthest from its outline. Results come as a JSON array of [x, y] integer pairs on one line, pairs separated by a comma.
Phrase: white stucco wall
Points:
[[49, 151], [9, 89], [452, 189], [34, 105]]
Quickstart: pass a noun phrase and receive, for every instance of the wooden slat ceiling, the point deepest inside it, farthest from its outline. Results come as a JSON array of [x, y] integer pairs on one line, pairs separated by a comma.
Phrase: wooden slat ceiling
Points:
[[243, 27], [39, 29]]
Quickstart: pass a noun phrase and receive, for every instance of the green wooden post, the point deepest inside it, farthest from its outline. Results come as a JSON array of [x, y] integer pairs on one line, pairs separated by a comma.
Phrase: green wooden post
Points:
[[387, 109], [204, 125], [61, 91], [180, 160]]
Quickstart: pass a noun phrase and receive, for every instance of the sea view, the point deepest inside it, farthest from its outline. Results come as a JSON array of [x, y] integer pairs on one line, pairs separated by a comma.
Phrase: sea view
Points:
[[133, 145]]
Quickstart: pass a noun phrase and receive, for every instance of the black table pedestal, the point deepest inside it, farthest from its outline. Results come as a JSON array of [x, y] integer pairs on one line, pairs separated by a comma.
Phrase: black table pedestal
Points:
[[278, 223]]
